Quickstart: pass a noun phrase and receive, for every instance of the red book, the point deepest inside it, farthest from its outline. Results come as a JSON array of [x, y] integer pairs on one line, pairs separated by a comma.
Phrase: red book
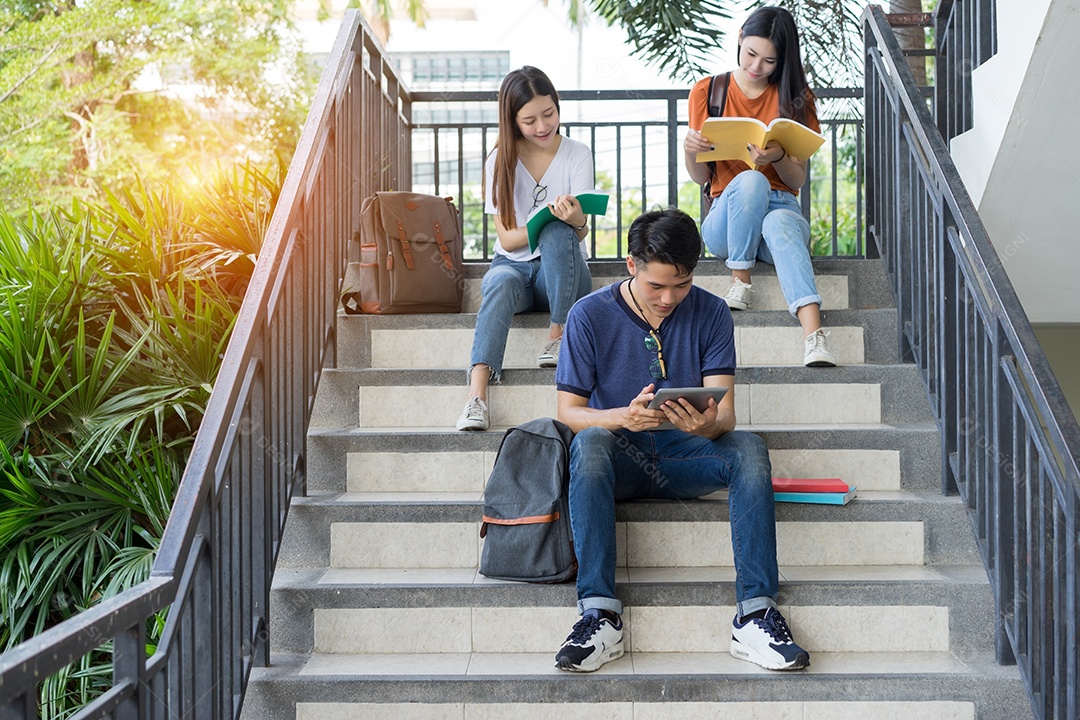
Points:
[[835, 485]]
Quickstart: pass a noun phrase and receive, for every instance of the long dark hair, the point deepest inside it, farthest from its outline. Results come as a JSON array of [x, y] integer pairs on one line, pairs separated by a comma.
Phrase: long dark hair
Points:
[[518, 88], [778, 26]]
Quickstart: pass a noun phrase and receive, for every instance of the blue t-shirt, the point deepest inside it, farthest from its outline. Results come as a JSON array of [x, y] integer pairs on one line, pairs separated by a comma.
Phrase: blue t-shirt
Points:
[[604, 357]]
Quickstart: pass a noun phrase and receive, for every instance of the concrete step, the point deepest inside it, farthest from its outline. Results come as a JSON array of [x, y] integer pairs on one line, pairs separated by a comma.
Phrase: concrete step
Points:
[[441, 341], [651, 629], [871, 457], [899, 607], [860, 394], [879, 528], [845, 286], [639, 686], [450, 347], [842, 284], [467, 471]]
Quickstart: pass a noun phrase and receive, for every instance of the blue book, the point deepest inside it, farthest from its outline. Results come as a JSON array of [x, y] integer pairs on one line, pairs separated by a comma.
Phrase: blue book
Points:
[[821, 498]]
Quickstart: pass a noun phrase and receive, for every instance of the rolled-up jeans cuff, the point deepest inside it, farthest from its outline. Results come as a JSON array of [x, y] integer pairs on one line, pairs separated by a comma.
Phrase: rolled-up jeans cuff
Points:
[[600, 603], [740, 264], [493, 375], [793, 308], [752, 605]]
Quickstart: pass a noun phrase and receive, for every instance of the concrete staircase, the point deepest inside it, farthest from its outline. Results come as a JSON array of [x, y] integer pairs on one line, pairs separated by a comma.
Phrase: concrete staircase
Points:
[[378, 610]]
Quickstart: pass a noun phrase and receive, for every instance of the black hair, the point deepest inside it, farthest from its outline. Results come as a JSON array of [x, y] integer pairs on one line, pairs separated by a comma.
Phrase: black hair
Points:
[[778, 26], [668, 236]]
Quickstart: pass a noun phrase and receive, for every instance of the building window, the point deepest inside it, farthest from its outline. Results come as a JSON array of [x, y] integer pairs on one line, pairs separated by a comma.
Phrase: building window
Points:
[[454, 70]]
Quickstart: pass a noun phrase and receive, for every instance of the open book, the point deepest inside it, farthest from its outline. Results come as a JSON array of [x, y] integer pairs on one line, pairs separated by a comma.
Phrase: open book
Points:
[[730, 136], [592, 203]]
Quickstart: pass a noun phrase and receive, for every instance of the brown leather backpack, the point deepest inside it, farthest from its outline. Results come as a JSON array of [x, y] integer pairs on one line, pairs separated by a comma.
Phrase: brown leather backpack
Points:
[[410, 257]]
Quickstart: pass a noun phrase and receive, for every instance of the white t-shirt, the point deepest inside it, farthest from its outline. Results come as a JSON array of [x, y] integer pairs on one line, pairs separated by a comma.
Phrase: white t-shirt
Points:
[[570, 173]]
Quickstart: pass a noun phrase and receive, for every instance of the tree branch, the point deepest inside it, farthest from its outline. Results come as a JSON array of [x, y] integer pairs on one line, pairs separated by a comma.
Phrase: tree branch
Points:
[[24, 128], [33, 71]]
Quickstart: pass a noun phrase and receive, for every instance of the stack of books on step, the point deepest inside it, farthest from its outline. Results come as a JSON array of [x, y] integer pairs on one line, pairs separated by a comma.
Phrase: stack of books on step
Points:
[[824, 491]]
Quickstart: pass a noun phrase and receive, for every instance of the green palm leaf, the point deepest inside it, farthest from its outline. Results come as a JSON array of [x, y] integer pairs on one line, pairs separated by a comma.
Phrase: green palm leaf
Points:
[[677, 36]]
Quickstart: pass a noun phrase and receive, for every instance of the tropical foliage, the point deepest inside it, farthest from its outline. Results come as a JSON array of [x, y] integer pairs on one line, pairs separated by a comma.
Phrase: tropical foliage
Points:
[[678, 36], [113, 322]]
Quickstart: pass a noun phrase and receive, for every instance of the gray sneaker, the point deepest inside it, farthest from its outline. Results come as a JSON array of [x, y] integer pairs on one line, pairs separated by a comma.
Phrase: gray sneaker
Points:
[[474, 416], [817, 354], [737, 296], [549, 356]]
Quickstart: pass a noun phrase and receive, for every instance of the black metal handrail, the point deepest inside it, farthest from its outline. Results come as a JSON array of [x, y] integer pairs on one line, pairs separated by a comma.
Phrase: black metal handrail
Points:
[[643, 158], [965, 36], [1009, 440], [215, 562]]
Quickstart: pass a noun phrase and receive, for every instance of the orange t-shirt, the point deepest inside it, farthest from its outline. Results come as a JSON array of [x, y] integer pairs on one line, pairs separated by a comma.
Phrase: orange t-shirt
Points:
[[764, 107]]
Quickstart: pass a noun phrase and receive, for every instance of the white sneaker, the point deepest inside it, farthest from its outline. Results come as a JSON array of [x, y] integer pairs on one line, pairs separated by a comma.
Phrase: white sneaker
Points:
[[767, 642], [549, 356], [474, 416], [596, 639], [817, 354], [737, 296]]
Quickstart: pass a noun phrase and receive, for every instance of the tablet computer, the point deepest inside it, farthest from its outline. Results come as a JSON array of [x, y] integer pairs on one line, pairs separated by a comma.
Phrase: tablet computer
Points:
[[698, 397]]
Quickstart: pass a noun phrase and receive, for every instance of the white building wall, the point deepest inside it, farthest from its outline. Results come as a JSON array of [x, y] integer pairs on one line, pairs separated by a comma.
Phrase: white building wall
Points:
[[1021, 160]]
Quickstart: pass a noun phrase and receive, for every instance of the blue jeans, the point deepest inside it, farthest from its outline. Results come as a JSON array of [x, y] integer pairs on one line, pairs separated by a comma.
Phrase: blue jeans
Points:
[[554, 281], [749, 211], [608, 467]]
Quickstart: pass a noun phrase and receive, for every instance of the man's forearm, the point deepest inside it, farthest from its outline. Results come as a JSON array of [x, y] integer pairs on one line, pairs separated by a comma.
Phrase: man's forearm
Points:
[[579, 418], [725, 423]]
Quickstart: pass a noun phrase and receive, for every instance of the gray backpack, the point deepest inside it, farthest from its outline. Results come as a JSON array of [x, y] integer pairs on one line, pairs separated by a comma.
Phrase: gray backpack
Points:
[[526, 523]]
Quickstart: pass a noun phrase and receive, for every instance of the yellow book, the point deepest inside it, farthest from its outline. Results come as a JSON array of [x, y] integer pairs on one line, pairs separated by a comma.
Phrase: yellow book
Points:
[[730, 136]]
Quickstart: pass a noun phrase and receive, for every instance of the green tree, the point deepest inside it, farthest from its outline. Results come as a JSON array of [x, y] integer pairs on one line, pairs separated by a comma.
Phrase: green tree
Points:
[[95, 92]]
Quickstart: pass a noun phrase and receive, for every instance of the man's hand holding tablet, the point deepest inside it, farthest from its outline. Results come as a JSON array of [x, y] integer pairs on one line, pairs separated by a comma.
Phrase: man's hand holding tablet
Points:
[[698, 397]]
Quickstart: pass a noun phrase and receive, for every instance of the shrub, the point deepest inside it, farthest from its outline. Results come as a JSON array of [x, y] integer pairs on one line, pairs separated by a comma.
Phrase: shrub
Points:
[[113, 322]]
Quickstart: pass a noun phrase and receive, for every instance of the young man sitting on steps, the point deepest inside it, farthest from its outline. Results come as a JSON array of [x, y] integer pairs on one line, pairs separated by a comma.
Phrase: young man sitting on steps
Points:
[[622, 343]]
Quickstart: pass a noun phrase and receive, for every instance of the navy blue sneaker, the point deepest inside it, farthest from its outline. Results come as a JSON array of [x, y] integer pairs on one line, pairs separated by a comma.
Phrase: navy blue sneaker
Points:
[[597, 638], [767, 642]]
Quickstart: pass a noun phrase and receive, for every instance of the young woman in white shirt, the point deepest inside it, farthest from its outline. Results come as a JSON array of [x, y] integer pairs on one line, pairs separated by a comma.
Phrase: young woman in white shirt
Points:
[[531, 165]]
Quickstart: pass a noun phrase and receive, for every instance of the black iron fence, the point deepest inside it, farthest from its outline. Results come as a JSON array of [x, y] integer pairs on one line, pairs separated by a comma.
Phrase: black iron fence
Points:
[[636, 141], [1009, 440], [965, 35], [214, 566]]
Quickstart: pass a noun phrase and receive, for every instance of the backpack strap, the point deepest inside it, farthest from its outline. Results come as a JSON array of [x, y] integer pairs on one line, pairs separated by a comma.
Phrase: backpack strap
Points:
[[718, 94], [717, 102]]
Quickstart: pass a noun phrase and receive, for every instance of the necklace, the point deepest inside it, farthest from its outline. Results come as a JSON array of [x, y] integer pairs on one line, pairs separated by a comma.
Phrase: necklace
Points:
[[653, 343], [630, 289]]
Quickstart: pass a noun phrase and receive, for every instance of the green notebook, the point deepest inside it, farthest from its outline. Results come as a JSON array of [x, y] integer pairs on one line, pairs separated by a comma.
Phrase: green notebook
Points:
[[592, 203]]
